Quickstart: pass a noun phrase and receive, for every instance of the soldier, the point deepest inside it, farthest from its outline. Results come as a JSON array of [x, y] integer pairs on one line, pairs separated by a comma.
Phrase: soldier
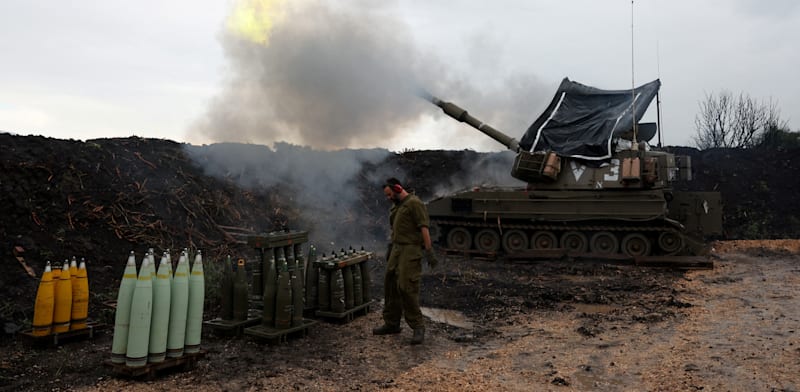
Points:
[[408, 219]]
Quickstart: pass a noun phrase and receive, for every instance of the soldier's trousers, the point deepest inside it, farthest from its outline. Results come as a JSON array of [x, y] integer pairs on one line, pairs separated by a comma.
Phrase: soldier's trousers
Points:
[[401, 286]]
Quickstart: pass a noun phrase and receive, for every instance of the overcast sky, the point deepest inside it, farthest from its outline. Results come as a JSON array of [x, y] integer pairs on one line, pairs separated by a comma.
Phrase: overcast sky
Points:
[[336, 74]]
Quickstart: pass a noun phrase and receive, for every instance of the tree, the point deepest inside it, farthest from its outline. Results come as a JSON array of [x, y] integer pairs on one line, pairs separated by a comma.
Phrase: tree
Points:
[[728, 121], [777, 137]]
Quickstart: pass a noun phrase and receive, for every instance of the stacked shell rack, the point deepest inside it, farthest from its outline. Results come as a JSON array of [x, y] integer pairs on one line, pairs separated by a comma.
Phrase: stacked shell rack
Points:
[[343, 284], [279, 279]]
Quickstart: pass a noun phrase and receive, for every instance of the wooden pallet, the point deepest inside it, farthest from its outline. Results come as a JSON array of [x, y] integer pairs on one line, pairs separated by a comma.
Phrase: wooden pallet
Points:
[[56, 339], [231, 327], [346, 316], [273, 335], [151, 370]]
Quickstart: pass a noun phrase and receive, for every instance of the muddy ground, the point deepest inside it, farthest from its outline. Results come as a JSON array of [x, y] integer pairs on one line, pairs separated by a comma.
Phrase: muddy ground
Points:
[[495, 325], [542, 326]]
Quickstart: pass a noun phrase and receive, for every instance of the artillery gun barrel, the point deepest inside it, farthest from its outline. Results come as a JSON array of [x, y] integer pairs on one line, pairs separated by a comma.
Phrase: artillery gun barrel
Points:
[[462, 115]]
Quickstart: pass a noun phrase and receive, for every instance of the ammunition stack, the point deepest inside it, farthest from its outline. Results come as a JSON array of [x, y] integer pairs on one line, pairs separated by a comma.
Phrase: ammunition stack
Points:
[[62, 304], [159, 315], [279, 279], [343, 284], [235, 313]]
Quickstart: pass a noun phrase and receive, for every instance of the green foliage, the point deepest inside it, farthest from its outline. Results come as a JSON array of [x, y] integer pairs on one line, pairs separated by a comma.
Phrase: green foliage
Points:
[[779, 137]]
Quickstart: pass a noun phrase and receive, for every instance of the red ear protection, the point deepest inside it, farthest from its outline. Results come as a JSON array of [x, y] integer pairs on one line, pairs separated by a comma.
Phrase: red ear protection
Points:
[[396, 188]]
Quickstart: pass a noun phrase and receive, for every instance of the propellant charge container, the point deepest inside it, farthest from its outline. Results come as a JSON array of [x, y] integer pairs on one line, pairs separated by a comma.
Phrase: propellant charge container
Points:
[[366, 280], [312, 278], [270, 287], [226, 292], [347, 275], [324, 287], [283, 297], [358, 289], [258, 274], [240, 292], [297, 287], [337, 291]]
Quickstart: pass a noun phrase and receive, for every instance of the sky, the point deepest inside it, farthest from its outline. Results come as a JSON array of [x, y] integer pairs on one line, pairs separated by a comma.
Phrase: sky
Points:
[[334, 74]]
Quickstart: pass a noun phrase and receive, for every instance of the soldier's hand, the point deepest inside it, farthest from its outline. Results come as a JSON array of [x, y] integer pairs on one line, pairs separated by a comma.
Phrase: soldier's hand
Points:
[[430, 257]]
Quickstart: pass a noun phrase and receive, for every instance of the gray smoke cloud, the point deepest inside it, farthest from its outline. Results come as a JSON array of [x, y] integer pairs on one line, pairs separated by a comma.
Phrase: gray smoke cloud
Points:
[[334, 79], [346, 77]]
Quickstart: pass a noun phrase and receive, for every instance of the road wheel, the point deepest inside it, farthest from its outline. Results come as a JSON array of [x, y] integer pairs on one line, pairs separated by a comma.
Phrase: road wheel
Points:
[[515, 241], [635, 244], [459, 238], [544, 240], [670, 242], [487, 240], [604, 243], [575, 241]]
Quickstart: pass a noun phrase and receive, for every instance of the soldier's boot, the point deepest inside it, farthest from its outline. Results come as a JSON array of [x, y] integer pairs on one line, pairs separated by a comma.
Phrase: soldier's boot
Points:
[[419, 336], [386, 329]]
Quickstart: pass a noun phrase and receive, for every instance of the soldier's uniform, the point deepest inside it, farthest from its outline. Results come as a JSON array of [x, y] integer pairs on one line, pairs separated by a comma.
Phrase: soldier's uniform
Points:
[[404, 266]]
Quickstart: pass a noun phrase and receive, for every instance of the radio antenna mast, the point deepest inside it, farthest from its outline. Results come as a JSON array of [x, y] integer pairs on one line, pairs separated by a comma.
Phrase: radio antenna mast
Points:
[[658, 74], [633, 88]]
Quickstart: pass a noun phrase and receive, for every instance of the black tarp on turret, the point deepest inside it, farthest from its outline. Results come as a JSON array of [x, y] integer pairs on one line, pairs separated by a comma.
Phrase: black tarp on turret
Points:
[[581, 121]]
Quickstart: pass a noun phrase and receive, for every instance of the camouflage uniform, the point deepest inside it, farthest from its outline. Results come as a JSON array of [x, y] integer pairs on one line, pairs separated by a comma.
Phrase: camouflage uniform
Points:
[[404, 266]]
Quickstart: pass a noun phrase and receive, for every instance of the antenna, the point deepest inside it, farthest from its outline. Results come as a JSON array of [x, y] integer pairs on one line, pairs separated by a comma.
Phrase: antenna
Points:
[[658, 75], [633, 89]]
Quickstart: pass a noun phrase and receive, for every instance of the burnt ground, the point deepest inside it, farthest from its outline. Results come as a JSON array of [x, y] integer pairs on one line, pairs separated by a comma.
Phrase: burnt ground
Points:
[[550, 323]]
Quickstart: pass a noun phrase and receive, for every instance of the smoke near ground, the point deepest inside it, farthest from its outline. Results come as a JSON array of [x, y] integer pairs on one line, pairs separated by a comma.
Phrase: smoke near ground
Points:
[[331, 74], [325, 186]]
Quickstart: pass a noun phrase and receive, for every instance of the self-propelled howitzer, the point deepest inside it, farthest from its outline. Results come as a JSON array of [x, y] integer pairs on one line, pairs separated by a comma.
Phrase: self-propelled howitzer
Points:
[[593, 185]]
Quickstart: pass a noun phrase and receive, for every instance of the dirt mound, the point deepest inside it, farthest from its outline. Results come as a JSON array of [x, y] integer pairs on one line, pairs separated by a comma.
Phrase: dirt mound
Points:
[[102, 198]]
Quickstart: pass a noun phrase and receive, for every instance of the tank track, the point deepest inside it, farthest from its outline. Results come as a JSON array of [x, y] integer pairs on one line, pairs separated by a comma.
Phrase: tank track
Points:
[[628, 238]]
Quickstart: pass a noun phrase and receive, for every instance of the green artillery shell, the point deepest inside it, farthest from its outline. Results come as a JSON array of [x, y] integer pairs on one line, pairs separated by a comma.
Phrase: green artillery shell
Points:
[[297, 291], [358, 290], [194, 312], [226, 292], [240, 292], [159, 322], [312, 279], [270, 289], [366, 280], [324, 290], [119, 347], [347, 274], [178, 307], [141, 312], [258, 275], [337, 291], [283, 300]]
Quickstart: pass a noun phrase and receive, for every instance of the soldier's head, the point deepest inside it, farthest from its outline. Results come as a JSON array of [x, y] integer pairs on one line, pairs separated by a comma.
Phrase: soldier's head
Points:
[[394, 190]]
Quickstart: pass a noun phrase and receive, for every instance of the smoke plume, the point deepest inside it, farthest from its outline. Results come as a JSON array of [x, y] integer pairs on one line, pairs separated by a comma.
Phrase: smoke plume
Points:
[[341, 75]]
